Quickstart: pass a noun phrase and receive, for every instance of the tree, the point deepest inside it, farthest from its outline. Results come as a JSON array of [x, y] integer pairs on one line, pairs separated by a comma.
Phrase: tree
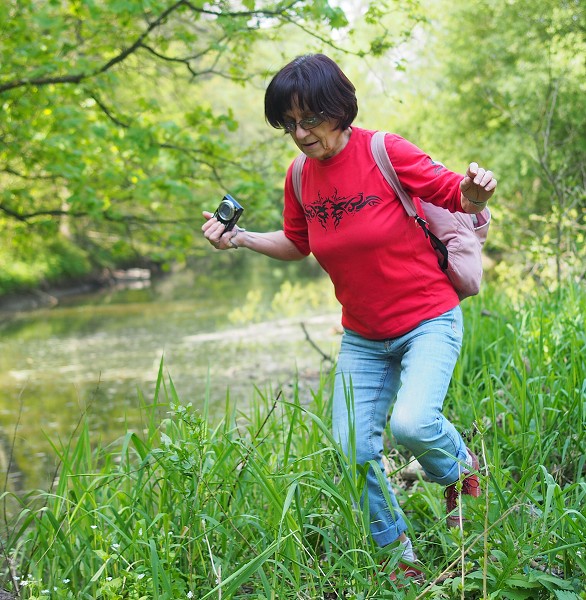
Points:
[[503, 81], [107, 144]]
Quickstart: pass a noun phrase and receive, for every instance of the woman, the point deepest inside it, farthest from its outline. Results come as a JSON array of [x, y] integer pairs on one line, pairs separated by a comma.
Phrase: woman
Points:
[[401, 316]]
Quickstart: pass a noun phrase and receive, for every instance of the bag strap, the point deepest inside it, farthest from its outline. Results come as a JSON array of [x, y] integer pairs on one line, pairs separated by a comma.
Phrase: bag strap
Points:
[[383, 161], [296, 175]]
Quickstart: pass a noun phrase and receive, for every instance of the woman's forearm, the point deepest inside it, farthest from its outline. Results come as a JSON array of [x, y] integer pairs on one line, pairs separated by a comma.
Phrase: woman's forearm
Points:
[[273, 243]]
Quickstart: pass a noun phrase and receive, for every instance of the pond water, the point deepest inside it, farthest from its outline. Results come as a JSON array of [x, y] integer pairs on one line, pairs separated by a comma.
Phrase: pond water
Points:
[[226, 326]]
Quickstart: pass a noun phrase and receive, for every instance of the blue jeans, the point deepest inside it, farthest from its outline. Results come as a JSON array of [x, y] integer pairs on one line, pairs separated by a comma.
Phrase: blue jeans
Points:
[[411, 373]]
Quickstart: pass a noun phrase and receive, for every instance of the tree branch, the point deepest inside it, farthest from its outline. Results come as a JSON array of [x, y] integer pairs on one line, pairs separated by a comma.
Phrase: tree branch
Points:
[[152, 26], [108, 112], [139, 42], [187, 63], [324, 356], [41, 81], [11, 85], [26, 217], [244, 13], [11, 171]]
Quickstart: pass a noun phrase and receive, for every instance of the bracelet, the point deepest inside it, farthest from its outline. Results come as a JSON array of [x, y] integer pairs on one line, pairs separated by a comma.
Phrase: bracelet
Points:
[[475, 202], [231, 240]]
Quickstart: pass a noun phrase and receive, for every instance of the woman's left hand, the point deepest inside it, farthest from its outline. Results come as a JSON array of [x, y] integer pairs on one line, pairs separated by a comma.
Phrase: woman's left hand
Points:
[[478, 185]]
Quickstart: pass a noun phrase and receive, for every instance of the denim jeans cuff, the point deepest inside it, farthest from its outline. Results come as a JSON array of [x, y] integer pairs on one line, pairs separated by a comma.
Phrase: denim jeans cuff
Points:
[[453, 474], [390, 535]]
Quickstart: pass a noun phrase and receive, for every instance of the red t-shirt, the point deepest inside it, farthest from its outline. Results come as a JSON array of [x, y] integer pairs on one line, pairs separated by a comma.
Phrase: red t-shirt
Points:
[[385, 272]]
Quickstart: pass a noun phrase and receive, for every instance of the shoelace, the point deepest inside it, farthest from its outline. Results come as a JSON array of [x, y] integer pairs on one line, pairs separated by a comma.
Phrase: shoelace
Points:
[[469, 484]]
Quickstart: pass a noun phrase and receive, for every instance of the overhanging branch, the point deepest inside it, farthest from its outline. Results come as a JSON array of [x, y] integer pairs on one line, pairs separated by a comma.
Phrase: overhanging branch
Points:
[[26, 217], [281, 12], [122, 219], [15, 173]]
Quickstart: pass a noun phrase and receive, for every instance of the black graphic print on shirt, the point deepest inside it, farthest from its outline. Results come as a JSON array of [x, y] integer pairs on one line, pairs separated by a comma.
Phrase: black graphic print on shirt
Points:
[[331, 211]]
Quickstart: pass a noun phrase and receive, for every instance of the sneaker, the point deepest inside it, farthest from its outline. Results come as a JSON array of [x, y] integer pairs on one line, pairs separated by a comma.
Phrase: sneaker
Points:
[[408, 573], [470, 487]]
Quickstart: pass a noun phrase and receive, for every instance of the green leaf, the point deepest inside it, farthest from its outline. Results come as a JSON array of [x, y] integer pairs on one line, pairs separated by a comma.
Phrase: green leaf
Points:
[[565, 595]]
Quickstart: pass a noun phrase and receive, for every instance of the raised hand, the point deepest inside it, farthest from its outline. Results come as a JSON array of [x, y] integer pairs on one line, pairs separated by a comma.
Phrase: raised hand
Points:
[[478, 184]]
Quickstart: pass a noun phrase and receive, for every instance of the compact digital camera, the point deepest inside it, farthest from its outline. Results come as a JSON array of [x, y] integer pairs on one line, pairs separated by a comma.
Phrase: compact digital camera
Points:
[[228, 212]]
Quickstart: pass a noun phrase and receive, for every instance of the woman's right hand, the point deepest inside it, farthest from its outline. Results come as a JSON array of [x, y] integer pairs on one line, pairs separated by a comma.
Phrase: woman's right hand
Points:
[[216, 234], [271, 243]]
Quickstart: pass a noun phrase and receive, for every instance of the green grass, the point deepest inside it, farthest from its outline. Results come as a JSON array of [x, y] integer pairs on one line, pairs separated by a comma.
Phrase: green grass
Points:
[[263, 504]]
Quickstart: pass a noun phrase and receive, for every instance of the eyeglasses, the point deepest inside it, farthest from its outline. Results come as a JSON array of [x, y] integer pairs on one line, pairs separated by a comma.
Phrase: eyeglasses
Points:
[[307, 123]]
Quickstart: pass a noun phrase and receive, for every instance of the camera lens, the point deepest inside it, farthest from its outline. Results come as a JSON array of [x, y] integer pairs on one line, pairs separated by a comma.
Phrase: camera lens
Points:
[[225, 210]]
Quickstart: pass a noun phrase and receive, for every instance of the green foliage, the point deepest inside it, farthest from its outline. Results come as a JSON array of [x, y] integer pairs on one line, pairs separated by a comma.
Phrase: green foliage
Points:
[[263, 504], [38, 261], [286, 302], [122, 120], [502, 82], [108, 129]]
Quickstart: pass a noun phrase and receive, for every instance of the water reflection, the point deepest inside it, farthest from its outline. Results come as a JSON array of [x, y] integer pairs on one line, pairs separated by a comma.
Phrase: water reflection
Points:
[[228, 323]]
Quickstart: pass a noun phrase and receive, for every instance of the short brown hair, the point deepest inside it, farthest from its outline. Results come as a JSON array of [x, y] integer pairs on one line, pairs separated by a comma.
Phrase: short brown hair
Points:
[[315, 83]]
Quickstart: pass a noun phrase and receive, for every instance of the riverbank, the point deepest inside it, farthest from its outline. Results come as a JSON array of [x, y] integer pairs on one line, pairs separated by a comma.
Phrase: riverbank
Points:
[[262, 503], [51, 295], [100, 352]]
